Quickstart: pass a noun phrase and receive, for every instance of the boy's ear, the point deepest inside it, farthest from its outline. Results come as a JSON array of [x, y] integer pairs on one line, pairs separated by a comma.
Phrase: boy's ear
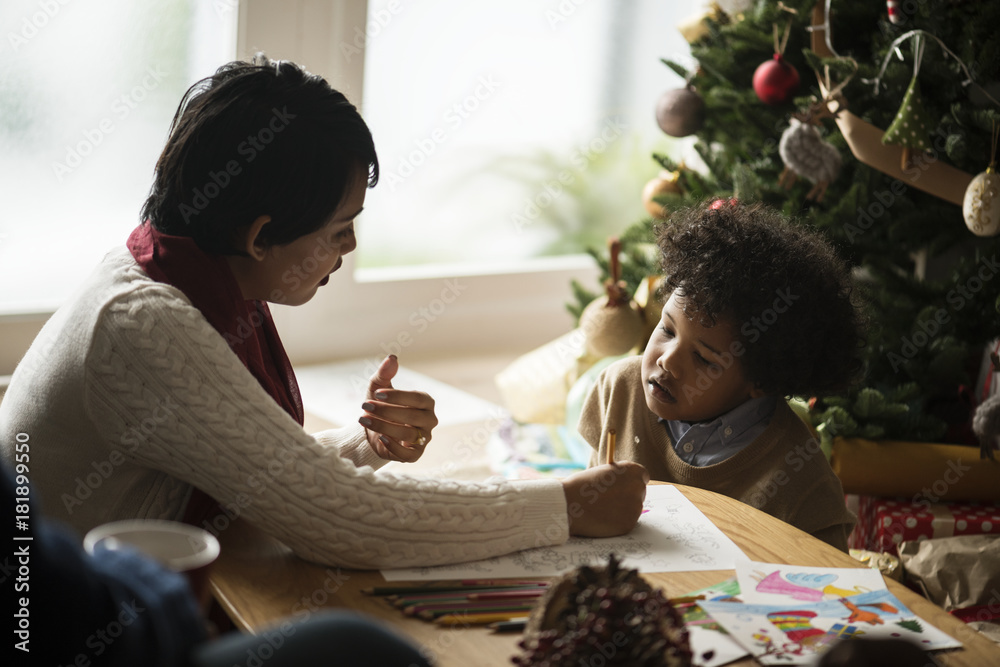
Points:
[[757, 392], [252, 243]]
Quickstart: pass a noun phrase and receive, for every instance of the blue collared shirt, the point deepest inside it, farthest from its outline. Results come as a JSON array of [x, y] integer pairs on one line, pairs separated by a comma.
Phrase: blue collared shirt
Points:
[[704, 443]]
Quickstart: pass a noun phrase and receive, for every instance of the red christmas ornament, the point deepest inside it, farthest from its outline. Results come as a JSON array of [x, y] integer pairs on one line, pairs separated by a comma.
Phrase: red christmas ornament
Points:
[[719, 203], [775, 81], [895, 12]]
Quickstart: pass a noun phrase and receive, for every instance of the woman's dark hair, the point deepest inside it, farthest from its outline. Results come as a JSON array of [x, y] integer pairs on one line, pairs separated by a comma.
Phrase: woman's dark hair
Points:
[[258, 138], [782, 287]]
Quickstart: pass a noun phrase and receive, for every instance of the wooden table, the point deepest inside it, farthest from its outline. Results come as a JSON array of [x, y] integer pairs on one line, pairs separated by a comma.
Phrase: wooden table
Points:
[[260, 583]]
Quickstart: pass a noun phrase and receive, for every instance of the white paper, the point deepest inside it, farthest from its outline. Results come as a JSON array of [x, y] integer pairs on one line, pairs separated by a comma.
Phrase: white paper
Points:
[[336, 391], [672, 536]]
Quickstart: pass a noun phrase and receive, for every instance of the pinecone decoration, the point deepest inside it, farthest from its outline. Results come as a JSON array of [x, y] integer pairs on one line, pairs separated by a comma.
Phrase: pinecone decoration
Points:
[[609, 612]]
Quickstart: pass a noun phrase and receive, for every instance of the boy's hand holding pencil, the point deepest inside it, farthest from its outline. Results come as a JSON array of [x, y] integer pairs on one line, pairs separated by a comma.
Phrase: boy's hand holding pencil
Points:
[[606, 501]]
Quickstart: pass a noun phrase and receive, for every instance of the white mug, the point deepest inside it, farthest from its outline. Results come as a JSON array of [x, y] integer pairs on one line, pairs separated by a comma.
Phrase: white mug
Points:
[[177, 546]]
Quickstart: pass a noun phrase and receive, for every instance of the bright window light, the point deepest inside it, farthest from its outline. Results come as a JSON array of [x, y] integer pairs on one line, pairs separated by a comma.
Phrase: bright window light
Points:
[[511, 130], [87, 92]]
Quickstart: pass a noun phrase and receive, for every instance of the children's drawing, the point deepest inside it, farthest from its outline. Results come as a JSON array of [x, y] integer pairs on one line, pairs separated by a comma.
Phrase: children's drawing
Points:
[[808, 586], [765, 583], [868, 616], [672, 536], [841, 631], [811, 607], [797, 626], [775, 583], [710, 643], [796, 632], [913, 625], [769, 651]]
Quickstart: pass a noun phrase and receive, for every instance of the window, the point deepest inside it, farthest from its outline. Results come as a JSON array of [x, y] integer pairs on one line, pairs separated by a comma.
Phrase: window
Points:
[[596, 68], [509, 130], [87, 91], [482, 302]]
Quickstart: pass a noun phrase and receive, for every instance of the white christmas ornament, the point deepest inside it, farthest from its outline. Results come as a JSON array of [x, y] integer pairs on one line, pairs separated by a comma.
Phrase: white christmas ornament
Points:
[[981, 207], [806, 154]]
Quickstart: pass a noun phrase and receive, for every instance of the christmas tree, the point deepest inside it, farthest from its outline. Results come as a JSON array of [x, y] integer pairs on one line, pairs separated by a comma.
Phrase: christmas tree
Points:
[[931, 284]]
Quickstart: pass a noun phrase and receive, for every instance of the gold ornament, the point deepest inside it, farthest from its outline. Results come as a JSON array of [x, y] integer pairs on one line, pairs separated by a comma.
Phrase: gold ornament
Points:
[[695, 27], [666, 182], [611, 323], [648, 298]]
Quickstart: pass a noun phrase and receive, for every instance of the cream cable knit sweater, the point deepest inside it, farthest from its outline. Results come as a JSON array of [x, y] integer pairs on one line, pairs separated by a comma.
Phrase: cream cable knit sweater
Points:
[[128, 397]]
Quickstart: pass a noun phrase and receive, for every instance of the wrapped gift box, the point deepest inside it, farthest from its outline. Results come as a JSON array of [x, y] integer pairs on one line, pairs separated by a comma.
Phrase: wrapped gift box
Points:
[[885, 523]]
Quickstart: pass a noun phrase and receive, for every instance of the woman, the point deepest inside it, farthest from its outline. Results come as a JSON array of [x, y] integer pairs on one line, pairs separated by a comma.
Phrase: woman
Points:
[[161, 390]]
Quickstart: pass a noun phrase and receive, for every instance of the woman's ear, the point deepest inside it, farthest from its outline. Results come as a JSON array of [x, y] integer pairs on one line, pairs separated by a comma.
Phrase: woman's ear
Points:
[[252, 243]]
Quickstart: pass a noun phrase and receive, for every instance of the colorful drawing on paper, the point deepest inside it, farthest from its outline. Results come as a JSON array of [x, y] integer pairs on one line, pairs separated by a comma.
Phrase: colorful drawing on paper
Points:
[[710, 643], [767, 583], [790, 614]]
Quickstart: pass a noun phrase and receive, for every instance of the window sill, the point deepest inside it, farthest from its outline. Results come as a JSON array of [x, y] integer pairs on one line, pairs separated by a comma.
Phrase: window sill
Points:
[[470, 269]]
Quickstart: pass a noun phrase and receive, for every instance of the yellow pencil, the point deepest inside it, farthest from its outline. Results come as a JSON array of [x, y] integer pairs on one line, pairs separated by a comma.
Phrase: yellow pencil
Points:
[[611, 445], [477, 619]]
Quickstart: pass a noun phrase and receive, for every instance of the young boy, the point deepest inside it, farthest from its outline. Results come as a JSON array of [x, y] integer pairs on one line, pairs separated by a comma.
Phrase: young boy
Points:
[[757, 309]]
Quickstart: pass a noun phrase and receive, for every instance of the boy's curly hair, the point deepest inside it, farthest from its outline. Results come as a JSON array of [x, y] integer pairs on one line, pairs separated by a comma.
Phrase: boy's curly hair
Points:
[[782, 286]]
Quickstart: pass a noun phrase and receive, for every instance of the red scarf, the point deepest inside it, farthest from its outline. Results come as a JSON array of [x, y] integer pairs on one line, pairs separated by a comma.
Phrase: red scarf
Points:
[[246, 325]]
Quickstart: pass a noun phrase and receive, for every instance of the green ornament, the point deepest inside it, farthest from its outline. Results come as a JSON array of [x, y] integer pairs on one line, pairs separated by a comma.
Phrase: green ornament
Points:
[[911, 127]]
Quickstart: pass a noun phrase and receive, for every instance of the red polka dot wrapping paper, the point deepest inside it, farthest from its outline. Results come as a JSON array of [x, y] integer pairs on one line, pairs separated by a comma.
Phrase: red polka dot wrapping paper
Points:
[[885, 523]]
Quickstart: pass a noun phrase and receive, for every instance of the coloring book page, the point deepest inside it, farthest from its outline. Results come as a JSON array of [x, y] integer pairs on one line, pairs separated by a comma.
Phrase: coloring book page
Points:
[[672, 536]]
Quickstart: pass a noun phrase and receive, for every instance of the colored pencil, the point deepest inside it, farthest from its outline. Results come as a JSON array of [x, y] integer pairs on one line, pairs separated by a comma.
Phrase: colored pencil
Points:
[[509, 613], [466, 604], [475, 619], [513, 625], [504, 582], [435, 610], [405, 600], [503, 595], [410, 606], [469, 588], [611, 445]]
